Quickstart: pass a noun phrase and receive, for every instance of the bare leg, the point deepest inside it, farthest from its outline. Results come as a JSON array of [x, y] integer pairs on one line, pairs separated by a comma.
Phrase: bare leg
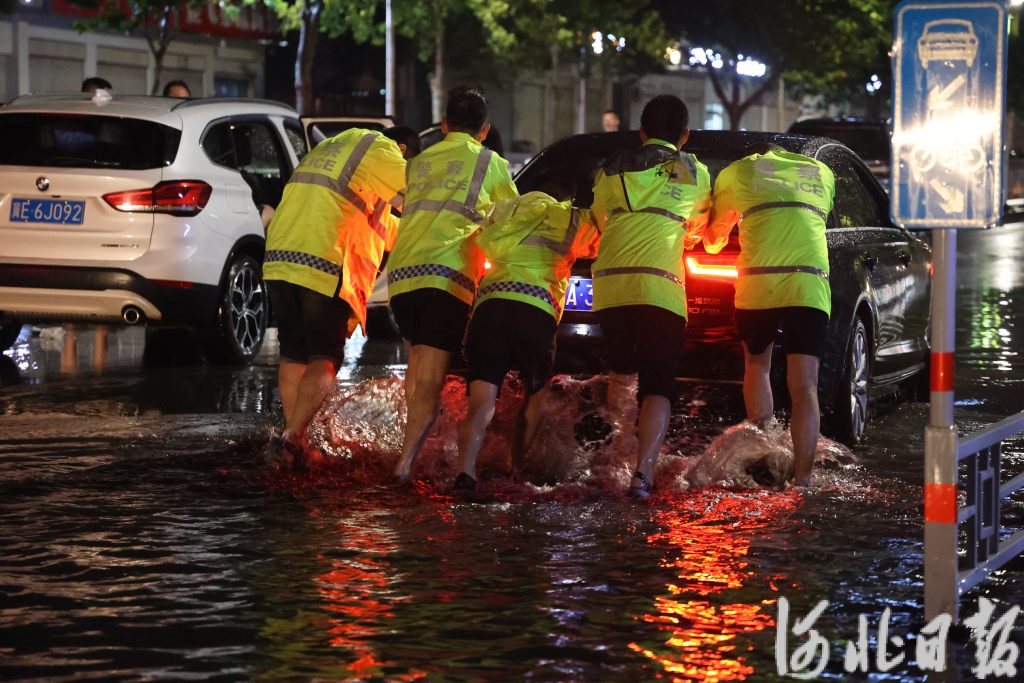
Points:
[[430, 365], [654, 416], [802, 379], [289, 373], [482, 396], [533, 415], [757, 386], [410, 371], [316, 381]]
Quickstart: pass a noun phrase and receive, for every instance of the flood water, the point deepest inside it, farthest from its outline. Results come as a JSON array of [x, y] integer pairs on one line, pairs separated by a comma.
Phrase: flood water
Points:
[[143, 539]]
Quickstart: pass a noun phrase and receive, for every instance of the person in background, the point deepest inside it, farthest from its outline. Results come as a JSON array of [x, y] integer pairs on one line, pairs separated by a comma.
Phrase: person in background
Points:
[[324, 248], [493, 142], [781, 201], [91, 85], [435, 266], [645, 201], [531, 243], [177, 88], [610, 122]]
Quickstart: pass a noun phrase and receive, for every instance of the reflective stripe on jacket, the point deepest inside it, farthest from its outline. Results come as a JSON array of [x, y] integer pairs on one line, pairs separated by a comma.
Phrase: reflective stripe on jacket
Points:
[[334, 221], [452, 187], [781, 201], [645, 202], [531, 243]]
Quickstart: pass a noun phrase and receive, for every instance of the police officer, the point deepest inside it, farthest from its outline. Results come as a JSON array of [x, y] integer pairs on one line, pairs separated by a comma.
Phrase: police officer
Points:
[[781, 201], [531, 243], [324, 247], [645, 200], [436, 264]]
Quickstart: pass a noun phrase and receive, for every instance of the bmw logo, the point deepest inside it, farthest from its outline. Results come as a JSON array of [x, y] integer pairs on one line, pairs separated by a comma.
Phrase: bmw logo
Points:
[[43, 183]]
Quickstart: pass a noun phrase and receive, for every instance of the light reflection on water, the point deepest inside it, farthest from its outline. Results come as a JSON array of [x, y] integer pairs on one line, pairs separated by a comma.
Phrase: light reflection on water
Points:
[[709, 552]]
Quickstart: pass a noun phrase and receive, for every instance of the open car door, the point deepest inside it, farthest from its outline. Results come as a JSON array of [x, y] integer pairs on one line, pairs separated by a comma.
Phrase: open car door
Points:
[[319, 128]]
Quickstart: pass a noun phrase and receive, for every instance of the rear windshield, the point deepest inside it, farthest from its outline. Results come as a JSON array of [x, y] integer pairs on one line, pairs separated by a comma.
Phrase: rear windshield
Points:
[[870, 143], [85, 141]]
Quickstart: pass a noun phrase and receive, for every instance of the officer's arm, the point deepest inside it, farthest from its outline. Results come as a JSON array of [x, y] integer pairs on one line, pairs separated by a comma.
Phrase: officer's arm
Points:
[[599, 209], [587, 237], [387, 173], [697, 224], [499, 181]]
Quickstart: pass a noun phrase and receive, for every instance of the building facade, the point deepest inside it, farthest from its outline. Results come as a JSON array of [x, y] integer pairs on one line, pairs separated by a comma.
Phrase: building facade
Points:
[[40, 52]]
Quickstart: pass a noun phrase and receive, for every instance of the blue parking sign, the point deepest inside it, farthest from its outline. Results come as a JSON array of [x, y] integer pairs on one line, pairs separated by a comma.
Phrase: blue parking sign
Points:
[[949, 99]]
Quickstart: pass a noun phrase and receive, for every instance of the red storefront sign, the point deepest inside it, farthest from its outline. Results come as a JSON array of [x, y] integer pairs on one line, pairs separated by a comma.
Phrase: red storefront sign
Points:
[[251, 22]]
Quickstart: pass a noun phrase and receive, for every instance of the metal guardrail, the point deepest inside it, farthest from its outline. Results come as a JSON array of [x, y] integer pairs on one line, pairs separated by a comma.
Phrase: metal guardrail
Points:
[[980, 517]]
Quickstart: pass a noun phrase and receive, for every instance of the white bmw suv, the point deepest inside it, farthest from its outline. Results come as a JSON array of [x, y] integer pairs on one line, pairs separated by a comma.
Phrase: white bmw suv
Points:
[[141, 210]]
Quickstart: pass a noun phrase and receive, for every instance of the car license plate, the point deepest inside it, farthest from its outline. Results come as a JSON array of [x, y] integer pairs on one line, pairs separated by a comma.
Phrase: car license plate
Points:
[[580, 294], [47, 211]]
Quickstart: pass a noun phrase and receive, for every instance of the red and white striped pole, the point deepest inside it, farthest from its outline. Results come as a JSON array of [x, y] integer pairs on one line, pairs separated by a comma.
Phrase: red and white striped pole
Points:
[[941, 595]]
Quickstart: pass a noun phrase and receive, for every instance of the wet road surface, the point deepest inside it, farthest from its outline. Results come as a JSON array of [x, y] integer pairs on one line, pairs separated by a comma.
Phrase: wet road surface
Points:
[[142, 539]]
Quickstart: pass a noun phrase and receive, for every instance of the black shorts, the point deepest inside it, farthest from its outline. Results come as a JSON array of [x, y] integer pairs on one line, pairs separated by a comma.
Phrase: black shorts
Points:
[[646, 341], [506, 335], [310, 325], [802, 329], [432, 317]]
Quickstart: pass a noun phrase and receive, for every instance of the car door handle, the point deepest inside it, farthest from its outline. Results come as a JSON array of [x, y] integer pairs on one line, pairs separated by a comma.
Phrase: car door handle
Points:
[[869, 261], [903, 256]]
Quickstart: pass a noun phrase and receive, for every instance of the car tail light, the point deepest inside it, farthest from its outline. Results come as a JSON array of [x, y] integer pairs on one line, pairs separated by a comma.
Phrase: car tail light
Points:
[[717, 266], [487, 265], [176, 197]]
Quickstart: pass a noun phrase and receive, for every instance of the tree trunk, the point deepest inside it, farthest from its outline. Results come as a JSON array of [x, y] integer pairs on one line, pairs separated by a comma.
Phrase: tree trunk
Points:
[[437, 90], [158, 45], [309, 33], [550, 100], [734, 103]]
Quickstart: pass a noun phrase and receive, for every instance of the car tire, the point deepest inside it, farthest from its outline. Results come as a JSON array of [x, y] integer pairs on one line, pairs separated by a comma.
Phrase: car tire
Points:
[[9, 333], [380, 323], [851, 408], [242, 314]]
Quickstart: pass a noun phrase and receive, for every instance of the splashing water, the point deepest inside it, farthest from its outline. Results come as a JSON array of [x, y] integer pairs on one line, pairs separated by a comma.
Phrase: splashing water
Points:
[[749, 456], [582, 445]]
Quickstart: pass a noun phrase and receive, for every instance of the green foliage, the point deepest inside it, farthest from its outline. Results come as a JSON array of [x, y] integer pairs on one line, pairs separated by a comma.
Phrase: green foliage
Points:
[[822, 46], [498, 35], [141, 13]]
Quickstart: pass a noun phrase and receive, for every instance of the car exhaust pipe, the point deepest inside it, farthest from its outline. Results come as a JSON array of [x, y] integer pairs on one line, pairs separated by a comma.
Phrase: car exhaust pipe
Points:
[[131, 315]]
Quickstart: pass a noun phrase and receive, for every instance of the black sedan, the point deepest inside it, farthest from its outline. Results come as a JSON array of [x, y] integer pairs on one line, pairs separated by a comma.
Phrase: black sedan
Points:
[[878, 331]]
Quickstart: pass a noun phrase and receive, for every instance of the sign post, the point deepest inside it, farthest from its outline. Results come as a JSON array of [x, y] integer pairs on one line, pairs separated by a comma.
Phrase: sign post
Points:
[[947, 173]]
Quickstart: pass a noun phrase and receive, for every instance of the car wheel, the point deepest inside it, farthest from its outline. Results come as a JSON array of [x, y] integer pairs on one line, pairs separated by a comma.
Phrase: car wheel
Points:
[[9, 332], [242, 314], [851, 406]]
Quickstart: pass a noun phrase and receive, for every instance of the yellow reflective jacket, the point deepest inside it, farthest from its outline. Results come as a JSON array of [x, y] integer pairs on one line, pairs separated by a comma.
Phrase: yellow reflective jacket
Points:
[[645, 202], [452, 187], [781, 201], [531, 243], [334, 221]]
